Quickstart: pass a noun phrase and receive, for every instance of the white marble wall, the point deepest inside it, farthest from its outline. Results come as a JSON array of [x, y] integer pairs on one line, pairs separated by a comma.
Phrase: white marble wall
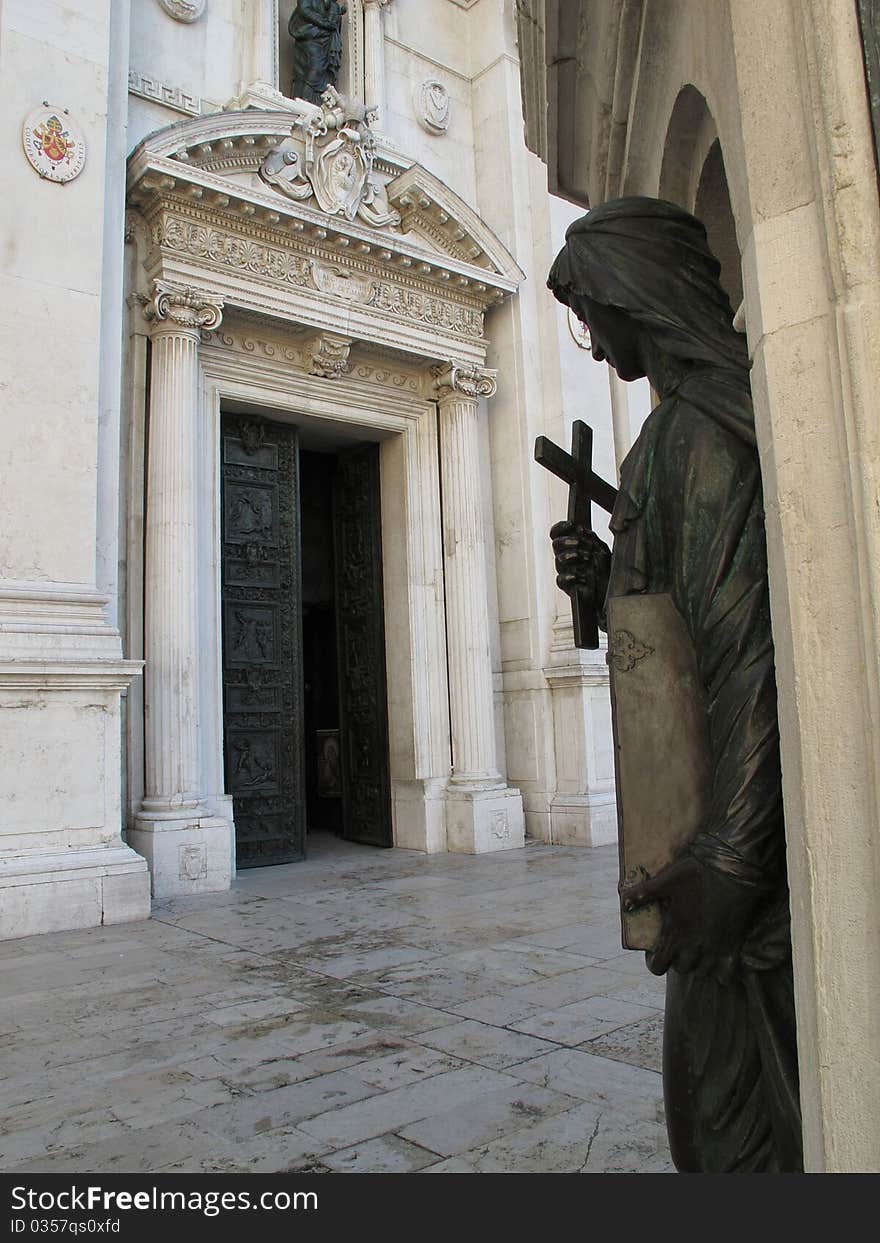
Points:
[[62, 860]]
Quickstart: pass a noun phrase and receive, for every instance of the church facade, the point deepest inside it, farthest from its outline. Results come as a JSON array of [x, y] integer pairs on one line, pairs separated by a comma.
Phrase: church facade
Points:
[[761, 120], [275, 554]]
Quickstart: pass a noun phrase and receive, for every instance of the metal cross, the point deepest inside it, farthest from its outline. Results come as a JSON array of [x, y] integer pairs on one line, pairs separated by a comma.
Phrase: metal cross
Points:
[[584, 487]]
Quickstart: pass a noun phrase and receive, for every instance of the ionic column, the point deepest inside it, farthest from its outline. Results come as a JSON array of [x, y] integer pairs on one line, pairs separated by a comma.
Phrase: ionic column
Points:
[[374, 57], [484, 814], [173, 809]]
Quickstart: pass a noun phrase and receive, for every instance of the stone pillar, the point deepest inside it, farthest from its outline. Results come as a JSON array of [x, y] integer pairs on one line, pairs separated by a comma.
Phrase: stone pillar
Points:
[[482, 813], [189, 849], [374, 57]]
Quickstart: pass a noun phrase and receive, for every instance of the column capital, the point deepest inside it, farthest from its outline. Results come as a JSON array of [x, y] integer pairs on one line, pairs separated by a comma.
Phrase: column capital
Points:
[[379, 4], [467, 379], [181, 306]]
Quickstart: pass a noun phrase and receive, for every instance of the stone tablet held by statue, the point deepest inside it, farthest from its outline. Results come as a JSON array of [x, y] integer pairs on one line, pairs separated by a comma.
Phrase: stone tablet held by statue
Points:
[[662, 757]]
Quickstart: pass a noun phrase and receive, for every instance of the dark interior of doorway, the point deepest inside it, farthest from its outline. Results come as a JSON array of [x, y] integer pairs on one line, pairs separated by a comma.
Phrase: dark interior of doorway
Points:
[[319, 640]]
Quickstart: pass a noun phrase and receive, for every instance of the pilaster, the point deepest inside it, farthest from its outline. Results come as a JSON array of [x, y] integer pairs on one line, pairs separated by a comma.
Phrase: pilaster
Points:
[[583, 809], [374, 56]]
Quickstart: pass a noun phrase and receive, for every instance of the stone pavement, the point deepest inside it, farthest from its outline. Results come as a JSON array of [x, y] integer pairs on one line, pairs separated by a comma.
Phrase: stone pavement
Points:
[[364, 1011]]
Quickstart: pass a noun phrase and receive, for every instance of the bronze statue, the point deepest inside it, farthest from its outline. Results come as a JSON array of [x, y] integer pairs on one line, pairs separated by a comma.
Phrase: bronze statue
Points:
[[316, 29], [689, 521]]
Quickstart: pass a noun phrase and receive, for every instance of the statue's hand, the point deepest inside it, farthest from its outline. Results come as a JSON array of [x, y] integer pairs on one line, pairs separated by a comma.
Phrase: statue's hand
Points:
[[706, 916], [583, 561]]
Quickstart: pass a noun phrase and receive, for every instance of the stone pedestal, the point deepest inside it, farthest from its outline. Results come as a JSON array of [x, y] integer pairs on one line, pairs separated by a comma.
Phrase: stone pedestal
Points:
[[190, 849], [62, 861], [482, 812], [479, 820]]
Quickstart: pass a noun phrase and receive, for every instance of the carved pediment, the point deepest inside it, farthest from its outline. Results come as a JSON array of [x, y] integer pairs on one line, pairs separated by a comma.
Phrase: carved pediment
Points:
[[271, 166]]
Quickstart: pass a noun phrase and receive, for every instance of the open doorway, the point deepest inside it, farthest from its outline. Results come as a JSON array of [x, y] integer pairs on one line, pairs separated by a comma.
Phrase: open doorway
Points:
[[305, 713]]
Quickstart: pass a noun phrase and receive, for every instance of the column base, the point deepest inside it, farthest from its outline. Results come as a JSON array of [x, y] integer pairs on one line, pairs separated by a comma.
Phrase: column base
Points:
[[189, 855], [480, 820], [583, 820], [78, 889]]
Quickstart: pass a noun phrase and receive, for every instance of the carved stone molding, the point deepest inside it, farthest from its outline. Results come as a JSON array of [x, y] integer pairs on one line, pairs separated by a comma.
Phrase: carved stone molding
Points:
[[329, 356], [387, 376], [183, 307], [257, 347], [175, 97], [464, 378], [184, 10]]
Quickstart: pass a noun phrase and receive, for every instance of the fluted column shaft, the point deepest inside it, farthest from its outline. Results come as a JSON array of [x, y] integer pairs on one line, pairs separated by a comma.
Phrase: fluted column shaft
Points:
[[171, 614], [374, 56], [474, 755]]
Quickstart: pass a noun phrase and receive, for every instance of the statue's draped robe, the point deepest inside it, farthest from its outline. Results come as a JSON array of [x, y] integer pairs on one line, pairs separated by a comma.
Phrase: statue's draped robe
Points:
[[317, 48], [689, 521]]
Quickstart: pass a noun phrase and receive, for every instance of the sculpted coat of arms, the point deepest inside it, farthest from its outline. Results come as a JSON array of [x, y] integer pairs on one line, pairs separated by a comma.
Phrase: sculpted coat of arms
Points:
[[330, 155]]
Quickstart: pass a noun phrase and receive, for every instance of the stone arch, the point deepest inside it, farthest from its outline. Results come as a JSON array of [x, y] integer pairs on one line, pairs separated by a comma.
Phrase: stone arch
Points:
[[712, 206], [693, 175]]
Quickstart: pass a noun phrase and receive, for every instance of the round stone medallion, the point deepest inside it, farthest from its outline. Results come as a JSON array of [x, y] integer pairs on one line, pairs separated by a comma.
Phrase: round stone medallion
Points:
[[53, 143]]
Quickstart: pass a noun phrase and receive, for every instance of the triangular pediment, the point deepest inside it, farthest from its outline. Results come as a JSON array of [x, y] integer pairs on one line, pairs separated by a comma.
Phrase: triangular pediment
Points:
[[413, 220]]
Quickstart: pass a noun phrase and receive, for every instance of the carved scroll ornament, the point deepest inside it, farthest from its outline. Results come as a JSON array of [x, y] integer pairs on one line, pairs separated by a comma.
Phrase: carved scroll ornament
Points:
[[183, 307], [465, 378]]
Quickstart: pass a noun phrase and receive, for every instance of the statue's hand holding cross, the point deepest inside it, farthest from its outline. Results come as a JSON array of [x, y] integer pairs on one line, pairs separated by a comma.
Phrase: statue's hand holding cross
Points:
[[582, 560]]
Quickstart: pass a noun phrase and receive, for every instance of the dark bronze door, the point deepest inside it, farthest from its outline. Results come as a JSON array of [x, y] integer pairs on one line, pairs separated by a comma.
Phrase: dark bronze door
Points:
[[262, 649], [360, 629]]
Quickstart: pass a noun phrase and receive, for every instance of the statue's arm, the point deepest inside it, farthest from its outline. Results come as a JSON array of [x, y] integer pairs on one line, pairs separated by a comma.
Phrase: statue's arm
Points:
[[315, 14]]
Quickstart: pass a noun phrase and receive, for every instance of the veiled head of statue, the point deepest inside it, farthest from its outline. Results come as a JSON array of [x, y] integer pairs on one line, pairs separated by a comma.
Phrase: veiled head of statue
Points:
[[650, 260]]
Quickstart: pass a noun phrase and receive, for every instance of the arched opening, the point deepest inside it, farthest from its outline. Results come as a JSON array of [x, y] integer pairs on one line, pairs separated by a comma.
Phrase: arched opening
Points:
[[712, 206], [693, 175]]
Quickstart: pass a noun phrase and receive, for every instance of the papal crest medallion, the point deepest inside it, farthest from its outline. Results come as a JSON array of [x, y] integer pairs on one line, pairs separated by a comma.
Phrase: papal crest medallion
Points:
[[53, 143]]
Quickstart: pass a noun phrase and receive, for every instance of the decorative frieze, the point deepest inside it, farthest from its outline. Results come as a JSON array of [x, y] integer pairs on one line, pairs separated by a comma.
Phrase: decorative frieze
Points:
[[435, 312], [175, 97], [243, 343], [261, 259], [384, 375], [232, 251]]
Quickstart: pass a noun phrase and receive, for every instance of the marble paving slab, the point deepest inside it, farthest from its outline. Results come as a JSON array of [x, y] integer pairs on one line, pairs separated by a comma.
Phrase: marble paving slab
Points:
[[364, 1011]]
